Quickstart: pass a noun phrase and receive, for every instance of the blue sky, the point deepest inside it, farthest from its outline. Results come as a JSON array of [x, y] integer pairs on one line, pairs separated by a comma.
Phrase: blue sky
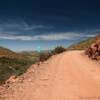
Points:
[[44, 24]]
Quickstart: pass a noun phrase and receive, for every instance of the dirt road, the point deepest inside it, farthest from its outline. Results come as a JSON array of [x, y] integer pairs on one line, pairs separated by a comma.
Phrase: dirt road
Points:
[[67, 76]]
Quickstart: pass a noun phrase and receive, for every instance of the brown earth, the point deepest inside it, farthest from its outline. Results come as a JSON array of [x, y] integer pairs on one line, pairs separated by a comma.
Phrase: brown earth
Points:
[[67, 76]]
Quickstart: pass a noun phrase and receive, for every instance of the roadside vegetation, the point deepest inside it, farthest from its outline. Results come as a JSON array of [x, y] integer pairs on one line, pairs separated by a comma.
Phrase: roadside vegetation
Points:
[[12, 63], [82, 45], [46, 55], [12, 66], [58, 50]]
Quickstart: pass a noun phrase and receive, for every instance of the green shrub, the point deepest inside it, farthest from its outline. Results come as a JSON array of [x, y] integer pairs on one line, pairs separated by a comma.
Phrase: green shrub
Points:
[[12, 66], [58, 50], [44, 56]]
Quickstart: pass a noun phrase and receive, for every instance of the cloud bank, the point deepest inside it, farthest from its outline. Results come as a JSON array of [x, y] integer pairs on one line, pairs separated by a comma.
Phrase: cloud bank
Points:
[[26, 32], [51, 36]]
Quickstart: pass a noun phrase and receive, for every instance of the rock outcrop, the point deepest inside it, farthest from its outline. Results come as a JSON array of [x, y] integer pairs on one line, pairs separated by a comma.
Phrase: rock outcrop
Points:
[[93, 51]]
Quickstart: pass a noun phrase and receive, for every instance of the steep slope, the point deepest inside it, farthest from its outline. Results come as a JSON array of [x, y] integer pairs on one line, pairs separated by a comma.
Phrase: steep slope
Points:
[[4, 52], [11, 63], [31, 55], [83, 44], [67, 76]]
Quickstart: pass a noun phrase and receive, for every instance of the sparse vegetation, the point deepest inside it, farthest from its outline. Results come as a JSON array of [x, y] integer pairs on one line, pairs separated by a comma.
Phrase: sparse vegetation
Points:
[[82, 45], [58, 50], [12, 63], [47, 54], [12, 66], [44, 56]]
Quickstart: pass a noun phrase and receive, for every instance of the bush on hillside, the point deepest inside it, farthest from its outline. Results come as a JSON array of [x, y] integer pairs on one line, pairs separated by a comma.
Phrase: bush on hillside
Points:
[[12, 66], [44, 56], [58, 50]]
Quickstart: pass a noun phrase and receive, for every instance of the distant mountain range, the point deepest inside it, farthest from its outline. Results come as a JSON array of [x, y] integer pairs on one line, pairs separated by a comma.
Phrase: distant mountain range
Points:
[[12, 63]]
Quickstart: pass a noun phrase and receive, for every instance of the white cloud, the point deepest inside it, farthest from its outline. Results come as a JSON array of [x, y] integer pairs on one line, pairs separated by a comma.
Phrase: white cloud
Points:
[[17, 31], [51, 36], [21, 26]]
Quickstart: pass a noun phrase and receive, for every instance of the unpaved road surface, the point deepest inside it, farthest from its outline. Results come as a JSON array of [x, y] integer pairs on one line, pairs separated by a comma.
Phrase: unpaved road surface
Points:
[[67, 76]]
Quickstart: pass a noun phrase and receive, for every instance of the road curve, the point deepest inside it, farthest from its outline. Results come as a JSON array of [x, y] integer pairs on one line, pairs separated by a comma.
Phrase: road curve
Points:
[[67, 76]]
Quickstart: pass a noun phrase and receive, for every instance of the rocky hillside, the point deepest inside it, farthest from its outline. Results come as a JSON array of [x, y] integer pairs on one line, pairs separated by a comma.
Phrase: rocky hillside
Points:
[[12, 63], [91, 47], [93, 50], [83, 44]]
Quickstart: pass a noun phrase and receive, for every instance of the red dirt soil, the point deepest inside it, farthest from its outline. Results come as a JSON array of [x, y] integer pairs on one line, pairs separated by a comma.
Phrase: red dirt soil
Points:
[[67, 76]]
